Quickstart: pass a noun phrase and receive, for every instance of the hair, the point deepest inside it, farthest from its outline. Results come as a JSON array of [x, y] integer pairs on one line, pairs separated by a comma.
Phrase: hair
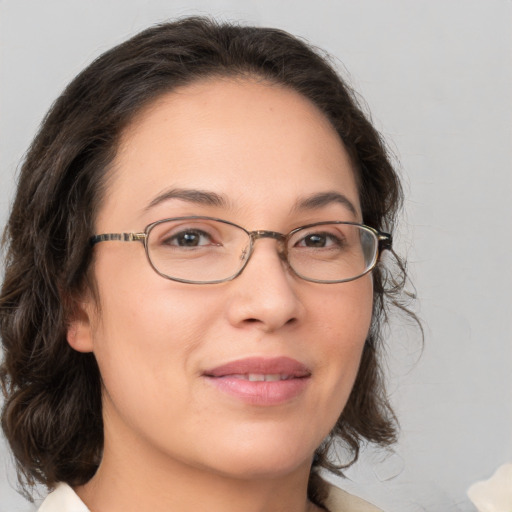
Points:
[[52, 414]]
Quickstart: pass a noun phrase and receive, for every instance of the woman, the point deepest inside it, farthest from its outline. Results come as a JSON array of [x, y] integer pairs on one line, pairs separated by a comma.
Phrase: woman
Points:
[[192, 302]]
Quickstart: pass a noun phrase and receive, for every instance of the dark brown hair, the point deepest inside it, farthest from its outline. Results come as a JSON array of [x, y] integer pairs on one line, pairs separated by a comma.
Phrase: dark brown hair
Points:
[[52, 412]]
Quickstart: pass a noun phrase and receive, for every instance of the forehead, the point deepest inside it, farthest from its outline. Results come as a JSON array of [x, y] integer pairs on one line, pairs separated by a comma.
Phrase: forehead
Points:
[[256, 143]]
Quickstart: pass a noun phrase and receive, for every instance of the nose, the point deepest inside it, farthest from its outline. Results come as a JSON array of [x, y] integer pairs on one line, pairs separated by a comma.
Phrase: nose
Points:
[[264, 295]]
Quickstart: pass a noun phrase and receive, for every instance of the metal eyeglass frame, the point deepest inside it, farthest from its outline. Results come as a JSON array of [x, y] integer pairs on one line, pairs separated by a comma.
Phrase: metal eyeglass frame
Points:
[[384, 242]]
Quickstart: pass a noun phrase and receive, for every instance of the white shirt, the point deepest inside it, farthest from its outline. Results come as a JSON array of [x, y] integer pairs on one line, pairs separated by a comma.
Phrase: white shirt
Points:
[[64, 499]]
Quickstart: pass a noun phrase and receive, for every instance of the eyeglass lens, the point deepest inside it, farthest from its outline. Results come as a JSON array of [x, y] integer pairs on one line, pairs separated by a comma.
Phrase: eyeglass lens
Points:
[[206, 250]]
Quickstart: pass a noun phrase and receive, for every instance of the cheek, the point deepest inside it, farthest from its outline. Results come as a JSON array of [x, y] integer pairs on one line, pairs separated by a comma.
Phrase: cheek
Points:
[[146, 350], [150, 330], [345, 311], [345, 321], [147, 330]]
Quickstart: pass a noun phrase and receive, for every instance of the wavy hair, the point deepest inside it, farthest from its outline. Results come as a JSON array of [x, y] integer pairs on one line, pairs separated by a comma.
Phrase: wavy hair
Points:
[[52, 411]]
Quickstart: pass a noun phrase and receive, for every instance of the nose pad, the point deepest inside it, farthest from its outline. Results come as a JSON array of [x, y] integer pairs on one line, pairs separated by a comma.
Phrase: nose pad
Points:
[[244, 254]]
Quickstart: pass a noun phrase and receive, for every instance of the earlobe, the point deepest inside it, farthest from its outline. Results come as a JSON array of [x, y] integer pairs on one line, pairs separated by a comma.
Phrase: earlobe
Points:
[[79, 329]]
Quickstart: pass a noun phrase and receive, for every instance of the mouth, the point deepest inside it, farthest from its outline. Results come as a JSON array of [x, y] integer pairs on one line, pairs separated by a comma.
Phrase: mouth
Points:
[[260, 381], [262, 377]]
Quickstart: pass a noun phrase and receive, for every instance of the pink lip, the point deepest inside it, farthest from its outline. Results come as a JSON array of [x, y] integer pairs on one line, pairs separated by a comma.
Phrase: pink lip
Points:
[[232, 378]]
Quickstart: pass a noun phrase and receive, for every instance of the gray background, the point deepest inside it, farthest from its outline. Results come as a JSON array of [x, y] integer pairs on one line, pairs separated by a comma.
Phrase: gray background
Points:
[[437, 77]]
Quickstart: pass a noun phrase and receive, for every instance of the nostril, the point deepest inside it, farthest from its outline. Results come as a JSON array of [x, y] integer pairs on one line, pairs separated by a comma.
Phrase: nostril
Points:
[[257, 321]]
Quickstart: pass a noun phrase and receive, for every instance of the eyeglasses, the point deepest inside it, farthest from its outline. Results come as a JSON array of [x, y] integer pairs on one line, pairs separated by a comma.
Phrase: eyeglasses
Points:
[[206, 250]]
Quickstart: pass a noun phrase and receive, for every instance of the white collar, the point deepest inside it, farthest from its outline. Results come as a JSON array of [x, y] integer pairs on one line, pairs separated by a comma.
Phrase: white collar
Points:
[[63, 499]]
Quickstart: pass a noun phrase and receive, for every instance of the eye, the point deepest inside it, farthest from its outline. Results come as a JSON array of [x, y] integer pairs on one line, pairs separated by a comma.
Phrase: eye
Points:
[[320, 240], [189, 238]]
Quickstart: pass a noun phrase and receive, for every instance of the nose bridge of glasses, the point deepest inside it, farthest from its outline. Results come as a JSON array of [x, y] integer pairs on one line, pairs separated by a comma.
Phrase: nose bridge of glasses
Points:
[[255, 235], [281, 240]]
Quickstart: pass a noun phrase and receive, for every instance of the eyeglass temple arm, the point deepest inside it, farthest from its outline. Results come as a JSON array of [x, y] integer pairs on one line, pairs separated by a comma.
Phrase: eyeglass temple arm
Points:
[[122, 237], [385, 241]]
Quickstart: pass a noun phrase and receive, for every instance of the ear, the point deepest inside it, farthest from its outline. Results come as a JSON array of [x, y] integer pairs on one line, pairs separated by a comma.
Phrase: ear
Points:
[[80, 326]]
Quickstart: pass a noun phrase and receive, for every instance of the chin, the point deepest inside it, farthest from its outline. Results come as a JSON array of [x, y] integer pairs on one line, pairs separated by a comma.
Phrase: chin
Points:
[[262, 469], [262, 459]]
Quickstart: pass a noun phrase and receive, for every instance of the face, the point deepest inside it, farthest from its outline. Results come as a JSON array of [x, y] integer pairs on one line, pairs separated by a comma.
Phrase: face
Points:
[[177, 359]]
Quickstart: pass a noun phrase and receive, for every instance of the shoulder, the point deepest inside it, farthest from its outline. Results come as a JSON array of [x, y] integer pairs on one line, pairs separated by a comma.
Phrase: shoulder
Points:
[[63, 499], [339, 500]]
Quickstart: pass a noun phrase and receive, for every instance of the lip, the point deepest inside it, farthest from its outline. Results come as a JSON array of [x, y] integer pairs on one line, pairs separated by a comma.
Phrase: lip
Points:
[[287, 378]]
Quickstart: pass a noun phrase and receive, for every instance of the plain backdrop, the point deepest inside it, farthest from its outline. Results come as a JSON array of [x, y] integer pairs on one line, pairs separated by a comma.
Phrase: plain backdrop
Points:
[[437, 78]]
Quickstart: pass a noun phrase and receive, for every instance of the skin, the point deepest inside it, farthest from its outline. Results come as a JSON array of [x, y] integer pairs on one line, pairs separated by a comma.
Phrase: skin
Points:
[[172, 441]]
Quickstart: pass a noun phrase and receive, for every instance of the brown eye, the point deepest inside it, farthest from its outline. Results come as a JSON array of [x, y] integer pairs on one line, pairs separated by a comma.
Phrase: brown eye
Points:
[[189, 238], [315, 241], [320, 240]]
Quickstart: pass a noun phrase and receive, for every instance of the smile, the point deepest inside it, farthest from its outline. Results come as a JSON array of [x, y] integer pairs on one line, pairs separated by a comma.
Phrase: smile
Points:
[[260, 381], [260, 377]]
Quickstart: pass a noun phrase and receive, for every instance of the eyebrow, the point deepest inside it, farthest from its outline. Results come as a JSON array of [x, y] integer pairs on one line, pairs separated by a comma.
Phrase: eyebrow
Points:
[[316, 201], [200, 197]]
